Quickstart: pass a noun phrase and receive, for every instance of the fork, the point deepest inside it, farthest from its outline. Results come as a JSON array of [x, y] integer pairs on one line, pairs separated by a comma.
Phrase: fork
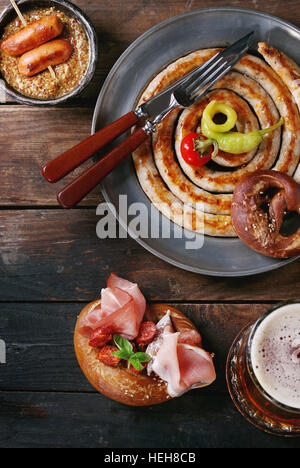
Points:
[[183, 93]]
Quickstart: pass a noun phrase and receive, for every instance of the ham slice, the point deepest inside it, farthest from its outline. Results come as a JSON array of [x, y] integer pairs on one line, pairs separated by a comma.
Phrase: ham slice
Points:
[[163, 327], [181, 365], [122, 308], [190, 336], [196, 366], [132, 289], [113, 299]]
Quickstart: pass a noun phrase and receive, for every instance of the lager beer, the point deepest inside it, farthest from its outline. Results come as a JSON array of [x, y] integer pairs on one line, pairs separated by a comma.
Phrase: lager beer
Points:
[[263, 371]]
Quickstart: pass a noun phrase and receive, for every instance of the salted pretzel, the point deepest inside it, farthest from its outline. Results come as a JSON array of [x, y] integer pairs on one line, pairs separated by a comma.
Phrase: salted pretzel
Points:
[[260, 203], [116, 381]]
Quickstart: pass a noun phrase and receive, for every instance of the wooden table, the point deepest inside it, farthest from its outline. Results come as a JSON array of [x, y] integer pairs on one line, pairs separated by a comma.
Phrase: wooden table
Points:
[[52, 264]]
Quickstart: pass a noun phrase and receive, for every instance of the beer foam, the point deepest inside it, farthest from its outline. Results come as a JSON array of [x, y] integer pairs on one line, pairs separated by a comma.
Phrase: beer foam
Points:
[[275, 355]]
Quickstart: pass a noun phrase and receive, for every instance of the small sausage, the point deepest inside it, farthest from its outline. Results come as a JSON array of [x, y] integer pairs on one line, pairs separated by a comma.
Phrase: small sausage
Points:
[[105, 355], [147, 333], [33, 35], [101, 337], [52, 53]]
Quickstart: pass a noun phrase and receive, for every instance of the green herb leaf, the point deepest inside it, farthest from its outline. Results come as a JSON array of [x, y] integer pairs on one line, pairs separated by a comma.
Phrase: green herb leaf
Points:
[[123, 344], [122, 354], [142, 357], [126, 352], [136, 364]]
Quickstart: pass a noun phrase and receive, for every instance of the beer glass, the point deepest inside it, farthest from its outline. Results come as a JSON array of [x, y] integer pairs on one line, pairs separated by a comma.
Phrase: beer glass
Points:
[[263, 371]]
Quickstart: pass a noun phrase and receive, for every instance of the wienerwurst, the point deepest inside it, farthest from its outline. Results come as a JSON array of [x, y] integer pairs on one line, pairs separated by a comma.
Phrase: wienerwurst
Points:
[[50, 54], [33, 35]]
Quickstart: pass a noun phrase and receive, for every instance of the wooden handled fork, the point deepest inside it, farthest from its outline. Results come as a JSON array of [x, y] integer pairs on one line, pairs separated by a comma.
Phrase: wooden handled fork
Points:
[[182, 93]]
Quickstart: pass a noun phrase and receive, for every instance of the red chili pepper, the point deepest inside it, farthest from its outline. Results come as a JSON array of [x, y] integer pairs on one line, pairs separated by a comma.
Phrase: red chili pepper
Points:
[[190, 155]]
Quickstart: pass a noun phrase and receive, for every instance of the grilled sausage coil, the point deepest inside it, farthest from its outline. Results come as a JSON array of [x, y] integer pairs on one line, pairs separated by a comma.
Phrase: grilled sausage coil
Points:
[[199, 198]]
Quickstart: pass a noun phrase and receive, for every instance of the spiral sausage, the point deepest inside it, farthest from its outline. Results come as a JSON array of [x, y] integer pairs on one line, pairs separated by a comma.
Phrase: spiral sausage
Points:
[[258, 212], [220, 181], [285, 67], [202, 196], [288, 71]]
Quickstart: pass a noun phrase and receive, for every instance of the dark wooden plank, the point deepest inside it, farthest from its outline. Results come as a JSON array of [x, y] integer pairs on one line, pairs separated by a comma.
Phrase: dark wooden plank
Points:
[[30, 137], [124, 21], [84, 420], [56, 255], [128, 19], [39, 343]]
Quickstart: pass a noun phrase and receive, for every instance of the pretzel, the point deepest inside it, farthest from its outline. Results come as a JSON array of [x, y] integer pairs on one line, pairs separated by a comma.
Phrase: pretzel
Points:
[[260, 203], [117, 382]]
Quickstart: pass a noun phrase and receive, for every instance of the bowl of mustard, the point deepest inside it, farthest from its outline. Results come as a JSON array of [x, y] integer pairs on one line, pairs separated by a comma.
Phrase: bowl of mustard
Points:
[[58, 83]]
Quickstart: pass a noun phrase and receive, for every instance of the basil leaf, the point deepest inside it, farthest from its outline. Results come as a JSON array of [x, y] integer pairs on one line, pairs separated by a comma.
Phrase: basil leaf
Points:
[[136, 364], [123, 344], [125, 352], [142, 357], [122, 354]]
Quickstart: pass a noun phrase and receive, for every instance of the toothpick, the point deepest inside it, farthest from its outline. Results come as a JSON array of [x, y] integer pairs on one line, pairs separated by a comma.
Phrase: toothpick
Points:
[[18, 12], [25, 24]]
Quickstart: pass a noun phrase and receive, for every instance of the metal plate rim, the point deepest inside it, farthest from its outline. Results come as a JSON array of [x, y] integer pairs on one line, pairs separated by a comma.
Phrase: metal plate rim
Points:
[[114, 69]]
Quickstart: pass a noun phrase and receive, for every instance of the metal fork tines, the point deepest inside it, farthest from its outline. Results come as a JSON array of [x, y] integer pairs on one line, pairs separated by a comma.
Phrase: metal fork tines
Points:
[[209, 73], [202, 82], [187, 95]]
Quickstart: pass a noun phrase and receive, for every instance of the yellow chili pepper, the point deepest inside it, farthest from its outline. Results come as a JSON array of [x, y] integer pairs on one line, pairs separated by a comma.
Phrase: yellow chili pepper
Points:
[[214, 108], [232, 142]]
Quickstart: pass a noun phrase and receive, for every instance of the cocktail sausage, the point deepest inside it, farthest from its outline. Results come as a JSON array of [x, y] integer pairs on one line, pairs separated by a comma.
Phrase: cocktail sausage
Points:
[[50, 54], [33, 35]]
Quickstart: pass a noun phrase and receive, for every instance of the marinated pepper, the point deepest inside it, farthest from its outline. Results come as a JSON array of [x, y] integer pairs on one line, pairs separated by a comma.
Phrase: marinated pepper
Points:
[[231, 142]]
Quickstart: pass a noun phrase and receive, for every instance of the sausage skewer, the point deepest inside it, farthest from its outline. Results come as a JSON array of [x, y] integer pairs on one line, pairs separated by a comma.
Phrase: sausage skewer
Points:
[[24, 22], [18, 12], [51, 53], [35, 34]]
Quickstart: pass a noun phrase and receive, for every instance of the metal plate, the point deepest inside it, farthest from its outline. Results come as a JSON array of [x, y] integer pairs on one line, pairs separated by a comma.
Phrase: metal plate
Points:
[[161, 45]]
